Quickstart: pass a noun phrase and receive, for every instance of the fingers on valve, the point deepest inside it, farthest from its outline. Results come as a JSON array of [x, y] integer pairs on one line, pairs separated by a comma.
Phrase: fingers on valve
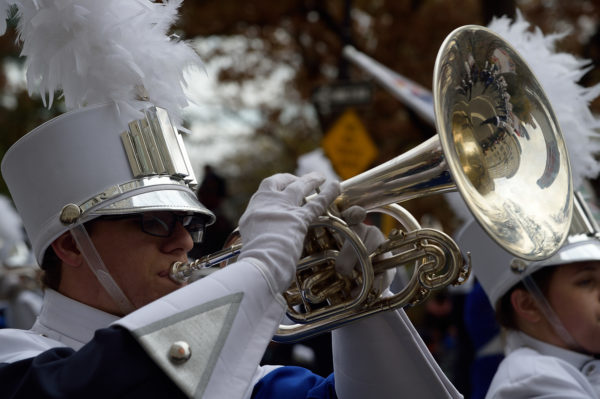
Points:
[[327, 193], [305, 185], [277, 182], [354, 215], [346, 259], [372, 237]]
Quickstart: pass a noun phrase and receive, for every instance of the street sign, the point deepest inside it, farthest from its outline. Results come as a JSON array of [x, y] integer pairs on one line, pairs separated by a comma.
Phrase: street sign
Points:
[[341, 95], [348, 145]]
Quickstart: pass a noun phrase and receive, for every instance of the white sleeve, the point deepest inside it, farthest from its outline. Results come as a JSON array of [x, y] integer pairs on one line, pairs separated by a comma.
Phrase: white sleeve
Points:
[[227, 319], [383, 356], [525, 373]]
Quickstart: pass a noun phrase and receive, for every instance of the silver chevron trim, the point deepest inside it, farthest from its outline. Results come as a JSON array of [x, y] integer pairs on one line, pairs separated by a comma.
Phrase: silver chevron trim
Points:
[[155, 147]]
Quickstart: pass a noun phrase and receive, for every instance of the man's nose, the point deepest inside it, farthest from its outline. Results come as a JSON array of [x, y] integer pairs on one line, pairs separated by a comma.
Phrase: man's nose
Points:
[[180, 240]]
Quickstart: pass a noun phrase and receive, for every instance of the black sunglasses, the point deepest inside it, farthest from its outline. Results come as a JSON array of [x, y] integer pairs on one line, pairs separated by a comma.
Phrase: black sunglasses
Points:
[[163, 223]]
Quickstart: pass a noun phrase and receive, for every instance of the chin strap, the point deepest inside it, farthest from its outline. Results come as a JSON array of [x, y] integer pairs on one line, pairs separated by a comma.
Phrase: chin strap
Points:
[[93, 259], [549, 313]]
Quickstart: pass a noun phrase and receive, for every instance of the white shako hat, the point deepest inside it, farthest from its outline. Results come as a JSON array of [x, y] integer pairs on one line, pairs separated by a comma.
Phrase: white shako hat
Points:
[[88, 162], [116, 150], [498, 271]]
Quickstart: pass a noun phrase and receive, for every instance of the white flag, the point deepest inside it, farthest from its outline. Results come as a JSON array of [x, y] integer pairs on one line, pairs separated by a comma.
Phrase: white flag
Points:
[[413, 95]]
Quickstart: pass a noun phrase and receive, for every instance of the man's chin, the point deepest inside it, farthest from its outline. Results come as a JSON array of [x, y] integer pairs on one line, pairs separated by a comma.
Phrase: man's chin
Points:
[[165, 288]]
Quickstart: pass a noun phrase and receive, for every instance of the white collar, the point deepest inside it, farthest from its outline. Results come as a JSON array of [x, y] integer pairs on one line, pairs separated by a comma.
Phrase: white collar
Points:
[[518, 339], [68, 321]]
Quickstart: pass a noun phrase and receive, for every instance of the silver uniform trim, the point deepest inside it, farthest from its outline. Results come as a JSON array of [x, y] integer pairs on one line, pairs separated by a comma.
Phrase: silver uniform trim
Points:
[[205, 328]]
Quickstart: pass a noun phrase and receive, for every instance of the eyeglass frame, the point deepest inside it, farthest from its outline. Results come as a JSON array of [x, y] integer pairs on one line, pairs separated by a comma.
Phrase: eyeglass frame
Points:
[[177, 218]]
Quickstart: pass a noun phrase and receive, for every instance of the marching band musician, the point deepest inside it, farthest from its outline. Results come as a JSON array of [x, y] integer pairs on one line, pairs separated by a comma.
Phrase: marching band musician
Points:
[[549, 311], [108, 204]]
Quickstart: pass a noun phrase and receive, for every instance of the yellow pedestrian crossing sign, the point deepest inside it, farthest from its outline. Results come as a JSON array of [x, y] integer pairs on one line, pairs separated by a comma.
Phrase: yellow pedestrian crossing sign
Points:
[[348, 145]]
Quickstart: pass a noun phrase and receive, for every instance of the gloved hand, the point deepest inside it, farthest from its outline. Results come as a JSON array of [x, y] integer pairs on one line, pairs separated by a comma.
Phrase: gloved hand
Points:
[[276, 220], [371, 236]]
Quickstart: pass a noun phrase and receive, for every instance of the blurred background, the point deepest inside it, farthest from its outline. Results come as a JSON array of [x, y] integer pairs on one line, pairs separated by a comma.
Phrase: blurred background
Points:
[[263, 105]]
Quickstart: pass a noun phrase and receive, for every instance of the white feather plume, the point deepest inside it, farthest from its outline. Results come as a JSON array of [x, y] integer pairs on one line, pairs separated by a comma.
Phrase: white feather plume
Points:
[[5, 6], [97, 51], [558, 73]]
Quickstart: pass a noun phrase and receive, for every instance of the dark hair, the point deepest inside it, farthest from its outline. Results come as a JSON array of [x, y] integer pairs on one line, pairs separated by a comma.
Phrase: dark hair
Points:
[[505, 313], [51, 269]]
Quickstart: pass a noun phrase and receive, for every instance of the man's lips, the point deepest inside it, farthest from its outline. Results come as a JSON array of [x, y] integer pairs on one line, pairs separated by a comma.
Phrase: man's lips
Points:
[[167, 272], [164, 273]]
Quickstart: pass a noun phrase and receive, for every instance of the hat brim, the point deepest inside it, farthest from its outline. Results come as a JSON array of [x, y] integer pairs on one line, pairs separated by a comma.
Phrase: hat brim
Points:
[[156, 200], [579, 249]]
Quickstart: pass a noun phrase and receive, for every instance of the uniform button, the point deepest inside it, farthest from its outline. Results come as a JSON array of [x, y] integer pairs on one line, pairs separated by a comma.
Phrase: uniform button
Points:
[[180, 352]]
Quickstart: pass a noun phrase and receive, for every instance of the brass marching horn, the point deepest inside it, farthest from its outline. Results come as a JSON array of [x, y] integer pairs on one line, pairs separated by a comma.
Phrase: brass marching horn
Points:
[[498, 143]]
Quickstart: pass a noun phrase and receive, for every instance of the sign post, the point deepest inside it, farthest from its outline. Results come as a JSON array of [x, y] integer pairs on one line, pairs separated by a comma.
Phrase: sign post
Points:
[[340, 95]]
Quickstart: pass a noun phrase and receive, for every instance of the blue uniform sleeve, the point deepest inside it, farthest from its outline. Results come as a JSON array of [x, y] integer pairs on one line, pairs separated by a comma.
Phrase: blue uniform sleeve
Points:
[[112, 365], [292, 382]]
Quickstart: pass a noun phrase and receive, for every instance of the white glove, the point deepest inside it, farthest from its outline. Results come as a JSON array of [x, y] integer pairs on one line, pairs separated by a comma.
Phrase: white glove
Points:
[[275, 223], [371, 236]]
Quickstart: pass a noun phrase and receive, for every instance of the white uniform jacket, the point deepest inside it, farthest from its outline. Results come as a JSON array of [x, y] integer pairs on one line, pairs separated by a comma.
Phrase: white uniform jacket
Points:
[[535, 369], [227, 319]]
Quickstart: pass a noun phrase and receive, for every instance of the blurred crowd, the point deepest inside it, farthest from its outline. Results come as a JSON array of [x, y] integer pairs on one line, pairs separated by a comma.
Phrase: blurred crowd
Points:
[[20, 291]]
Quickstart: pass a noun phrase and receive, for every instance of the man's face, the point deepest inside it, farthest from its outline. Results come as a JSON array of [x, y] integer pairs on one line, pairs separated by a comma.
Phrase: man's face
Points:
[[137, 261], [574, 294]]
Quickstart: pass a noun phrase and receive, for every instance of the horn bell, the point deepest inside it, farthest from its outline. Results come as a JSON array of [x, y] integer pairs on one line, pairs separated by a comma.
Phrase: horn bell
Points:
[[503, 143], [498, 143]]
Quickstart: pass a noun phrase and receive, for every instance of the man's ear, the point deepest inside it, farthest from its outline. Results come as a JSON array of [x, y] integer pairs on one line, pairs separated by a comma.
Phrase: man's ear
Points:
[[66, 250], [525, 305]]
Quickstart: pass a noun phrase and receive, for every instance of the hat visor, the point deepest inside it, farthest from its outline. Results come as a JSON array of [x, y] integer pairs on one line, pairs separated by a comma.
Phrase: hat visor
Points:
[[588, 249], [156, 200]]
